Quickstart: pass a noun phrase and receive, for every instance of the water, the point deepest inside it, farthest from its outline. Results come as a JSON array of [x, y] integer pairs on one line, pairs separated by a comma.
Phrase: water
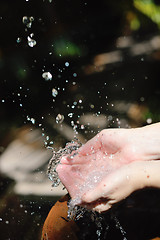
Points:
[[55, 160], [119, 226], [31, 42], [27, 21], [76, 212], [54, 92], [47, 76], [19, 40], [59, 118]]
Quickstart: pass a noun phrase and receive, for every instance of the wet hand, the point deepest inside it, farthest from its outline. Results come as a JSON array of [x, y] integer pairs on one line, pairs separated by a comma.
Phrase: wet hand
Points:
[[104, 166], [115, 187], [121, 183]]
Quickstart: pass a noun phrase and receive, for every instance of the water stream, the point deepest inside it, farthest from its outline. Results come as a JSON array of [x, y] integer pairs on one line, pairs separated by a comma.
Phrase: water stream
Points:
[[76, 212]]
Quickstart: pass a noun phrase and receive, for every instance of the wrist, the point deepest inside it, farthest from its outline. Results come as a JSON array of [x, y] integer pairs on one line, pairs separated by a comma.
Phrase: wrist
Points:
[[146, 174], [139, 175]]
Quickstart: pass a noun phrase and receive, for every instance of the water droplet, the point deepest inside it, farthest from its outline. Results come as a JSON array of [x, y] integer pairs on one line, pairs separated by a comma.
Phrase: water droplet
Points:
[[59, 118], [111, 156], [31, 42], [33, 120], [47, 76], [118, 226], [127, 177], [74, 74], [31, 18], [54, 92], [70, 115], [25, 20], [67, 64], [92, 106], [29, 25], [19, 40], [32, 35]]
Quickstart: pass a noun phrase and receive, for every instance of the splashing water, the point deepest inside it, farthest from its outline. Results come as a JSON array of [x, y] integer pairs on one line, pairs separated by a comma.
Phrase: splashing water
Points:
[[55, 160], [54, 92], [59, 118], [27, 21], [76, 212], [47, 76], [31, 42], [119, 226]]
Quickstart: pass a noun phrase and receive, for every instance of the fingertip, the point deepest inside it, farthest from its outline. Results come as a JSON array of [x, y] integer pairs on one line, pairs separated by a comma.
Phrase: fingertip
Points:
[[102, 207], [87, 197]]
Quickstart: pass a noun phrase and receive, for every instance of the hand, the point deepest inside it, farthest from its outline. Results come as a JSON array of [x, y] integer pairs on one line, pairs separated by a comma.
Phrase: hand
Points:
[[121, 183], [115, 187], [102, 165]]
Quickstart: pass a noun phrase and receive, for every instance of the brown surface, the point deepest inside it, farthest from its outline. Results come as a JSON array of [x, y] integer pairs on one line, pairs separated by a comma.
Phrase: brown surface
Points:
[[57, 226]]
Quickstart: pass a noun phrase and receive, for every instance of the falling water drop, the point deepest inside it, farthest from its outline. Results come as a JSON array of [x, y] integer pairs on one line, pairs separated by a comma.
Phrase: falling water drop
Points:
[[67, 64], [54, 92], [31, 42], [59, 118], [25, 20], [70, 115], [47, 76], [19, 40]]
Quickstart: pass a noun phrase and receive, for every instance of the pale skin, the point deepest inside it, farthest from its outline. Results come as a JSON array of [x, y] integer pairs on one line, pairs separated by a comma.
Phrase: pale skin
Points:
[[137, 159]]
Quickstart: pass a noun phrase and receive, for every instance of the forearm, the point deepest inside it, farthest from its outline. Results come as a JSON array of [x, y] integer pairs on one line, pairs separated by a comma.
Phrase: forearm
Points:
[[145, 142]]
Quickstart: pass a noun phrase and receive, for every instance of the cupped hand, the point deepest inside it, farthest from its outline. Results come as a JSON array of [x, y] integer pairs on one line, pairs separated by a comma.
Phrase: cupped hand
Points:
[[103, 170], [115, 187]]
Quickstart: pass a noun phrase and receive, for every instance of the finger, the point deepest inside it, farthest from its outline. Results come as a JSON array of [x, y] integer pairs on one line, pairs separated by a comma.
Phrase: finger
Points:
[[91, 146], [103, 207], [95, 194]]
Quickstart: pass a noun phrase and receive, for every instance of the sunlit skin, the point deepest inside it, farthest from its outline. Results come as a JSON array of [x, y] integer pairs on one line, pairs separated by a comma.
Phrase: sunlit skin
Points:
[[123, 161]]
